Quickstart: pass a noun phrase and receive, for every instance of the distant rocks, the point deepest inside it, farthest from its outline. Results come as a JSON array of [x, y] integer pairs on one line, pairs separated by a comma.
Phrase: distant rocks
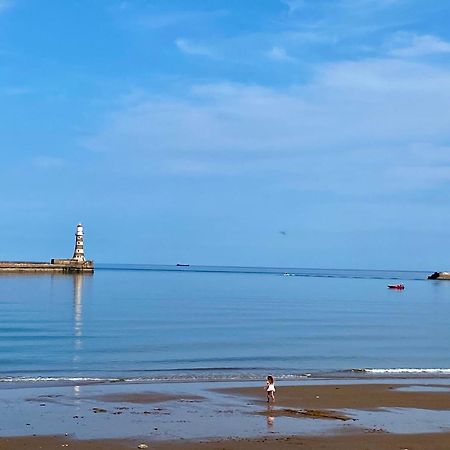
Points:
[[99, 410], [439, 276]]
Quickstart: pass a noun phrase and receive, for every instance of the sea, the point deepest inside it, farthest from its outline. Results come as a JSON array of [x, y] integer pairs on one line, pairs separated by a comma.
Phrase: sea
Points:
[[154, 323]]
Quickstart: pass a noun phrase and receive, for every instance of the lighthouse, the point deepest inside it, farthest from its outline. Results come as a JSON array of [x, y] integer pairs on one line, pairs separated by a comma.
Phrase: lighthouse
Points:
[[78, 262], [78, 253]]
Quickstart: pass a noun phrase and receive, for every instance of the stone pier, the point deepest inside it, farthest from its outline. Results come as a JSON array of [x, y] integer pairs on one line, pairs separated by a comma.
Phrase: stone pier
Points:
[[76, 264]]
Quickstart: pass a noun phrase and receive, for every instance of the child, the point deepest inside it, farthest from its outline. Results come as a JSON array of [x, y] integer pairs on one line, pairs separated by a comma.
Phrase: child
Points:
[[270, 389]]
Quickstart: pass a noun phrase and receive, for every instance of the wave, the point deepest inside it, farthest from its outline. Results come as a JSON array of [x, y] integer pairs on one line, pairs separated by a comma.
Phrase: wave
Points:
[[431, 371], [233, 377], [167, 378], [26, 379]]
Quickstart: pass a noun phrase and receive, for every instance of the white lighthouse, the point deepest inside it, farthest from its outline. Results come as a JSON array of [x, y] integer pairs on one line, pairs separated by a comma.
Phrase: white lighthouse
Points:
[[78, 253]]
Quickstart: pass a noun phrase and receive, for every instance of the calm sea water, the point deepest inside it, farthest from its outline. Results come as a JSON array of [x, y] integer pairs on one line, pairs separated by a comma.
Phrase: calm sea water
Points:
[[160, 322]]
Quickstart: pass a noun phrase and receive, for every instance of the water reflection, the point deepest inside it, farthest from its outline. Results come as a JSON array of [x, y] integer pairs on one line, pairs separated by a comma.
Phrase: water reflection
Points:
[[77, 311], [270, 418], [78, 280]]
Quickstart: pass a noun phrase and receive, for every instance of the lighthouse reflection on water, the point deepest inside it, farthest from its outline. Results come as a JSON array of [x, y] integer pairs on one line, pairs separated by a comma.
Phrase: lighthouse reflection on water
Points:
[[78, 284], [78, 312]]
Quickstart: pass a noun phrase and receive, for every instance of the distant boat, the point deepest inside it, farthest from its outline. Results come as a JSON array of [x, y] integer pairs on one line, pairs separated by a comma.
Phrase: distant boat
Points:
[[182, 265], [396, 286]]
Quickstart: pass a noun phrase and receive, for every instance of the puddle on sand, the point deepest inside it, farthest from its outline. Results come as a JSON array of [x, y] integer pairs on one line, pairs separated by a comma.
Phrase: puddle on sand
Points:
[[81, 412], [403, 420], [423, 388]]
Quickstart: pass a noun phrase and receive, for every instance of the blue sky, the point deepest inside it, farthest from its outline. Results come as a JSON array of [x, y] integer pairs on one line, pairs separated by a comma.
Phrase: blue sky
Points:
[[304, 133]]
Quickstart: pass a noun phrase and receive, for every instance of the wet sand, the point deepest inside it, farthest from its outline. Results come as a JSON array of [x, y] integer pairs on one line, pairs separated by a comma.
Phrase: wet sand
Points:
[[355, 396], [234, 417], [362, 441], [145, 397]]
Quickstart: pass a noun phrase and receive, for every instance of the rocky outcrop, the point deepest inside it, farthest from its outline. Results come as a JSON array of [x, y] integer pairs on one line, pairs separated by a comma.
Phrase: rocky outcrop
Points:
[[439, 276]]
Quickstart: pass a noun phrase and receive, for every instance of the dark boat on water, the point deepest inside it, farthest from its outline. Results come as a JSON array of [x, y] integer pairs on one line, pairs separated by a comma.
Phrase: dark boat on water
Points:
[[182, 265], [396, 286]]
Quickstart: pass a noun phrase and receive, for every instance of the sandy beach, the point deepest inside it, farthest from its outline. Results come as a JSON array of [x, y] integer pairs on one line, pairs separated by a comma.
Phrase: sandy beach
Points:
[[351, 442], [355, 415], [359, 396]]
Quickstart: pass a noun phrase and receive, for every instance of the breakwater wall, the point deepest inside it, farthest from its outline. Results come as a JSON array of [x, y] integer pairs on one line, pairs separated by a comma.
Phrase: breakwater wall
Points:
[[55, 265]]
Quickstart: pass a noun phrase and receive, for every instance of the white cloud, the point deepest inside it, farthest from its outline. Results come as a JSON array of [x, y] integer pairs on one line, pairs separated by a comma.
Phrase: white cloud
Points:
[[347, 130], [411, 45], [190, 48], [388, 76], [279, 54]]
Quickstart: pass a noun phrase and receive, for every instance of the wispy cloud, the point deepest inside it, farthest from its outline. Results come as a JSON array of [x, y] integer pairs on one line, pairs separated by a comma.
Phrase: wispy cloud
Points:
[[48, 162], [279, 54], [5, 5], [194, 49], [353, 6], [161, 20], [355, 23], [294, 5], [386, 76], [13, 91], [354, 124], [412, 45]]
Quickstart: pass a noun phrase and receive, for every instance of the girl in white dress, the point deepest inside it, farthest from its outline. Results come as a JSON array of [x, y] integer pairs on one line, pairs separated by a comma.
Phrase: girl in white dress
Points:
[[270, 388]]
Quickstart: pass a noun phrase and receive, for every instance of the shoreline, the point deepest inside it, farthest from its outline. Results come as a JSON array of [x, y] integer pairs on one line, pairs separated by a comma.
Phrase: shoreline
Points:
[[361, 375], [312, 413]]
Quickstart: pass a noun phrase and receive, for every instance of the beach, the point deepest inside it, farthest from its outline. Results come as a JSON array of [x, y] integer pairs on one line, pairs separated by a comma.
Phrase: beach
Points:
[[178, 359], [350, 442], [315, 414]]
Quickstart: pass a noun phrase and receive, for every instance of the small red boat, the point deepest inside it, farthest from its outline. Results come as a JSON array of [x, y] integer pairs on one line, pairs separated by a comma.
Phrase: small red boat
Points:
[[396, 286]]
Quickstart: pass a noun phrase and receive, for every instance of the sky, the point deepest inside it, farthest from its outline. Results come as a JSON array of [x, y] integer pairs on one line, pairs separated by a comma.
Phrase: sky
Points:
[[287, 133]]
